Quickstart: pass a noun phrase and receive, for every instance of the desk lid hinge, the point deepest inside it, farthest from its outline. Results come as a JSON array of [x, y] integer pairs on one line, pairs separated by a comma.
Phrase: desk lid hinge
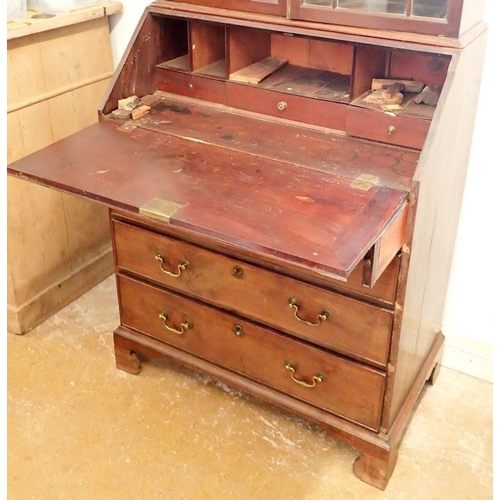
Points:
[[160, 209]]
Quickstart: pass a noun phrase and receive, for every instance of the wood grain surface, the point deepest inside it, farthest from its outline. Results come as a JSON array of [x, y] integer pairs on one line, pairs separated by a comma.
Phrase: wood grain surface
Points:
[[307, 217], [257, 352], [352, 327], [392, 166], [58, 245]]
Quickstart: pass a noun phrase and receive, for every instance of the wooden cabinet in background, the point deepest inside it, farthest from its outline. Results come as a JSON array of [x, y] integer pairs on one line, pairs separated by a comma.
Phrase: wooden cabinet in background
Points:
[[272, 227], [58, 245]]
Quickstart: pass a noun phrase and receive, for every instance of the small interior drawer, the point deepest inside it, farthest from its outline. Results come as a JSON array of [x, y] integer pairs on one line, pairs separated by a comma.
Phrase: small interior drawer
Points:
[[399, 130], [186, 84], [347, 388], [320, 316], [283, 105]]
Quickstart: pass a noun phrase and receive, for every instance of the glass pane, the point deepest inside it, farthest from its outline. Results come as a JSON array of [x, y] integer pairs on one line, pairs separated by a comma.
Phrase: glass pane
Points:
[[327, 3], [393, 6], [430, 8]]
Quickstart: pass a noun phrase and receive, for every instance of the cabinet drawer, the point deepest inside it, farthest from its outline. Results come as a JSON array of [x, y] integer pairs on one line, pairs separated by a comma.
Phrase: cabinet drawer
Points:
[[349, 389], [288, 106], [351, 326], [398, 130], [190, 85]]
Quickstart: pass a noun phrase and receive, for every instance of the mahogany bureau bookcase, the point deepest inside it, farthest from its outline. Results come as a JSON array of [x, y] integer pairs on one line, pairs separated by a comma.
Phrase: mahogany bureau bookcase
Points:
[[279, 222]]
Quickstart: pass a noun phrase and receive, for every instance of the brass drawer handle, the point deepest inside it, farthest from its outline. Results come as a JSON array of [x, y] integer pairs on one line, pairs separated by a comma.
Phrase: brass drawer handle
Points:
[[391, 130], [184, 326], [180, 267], [322, 316], [320, 377]]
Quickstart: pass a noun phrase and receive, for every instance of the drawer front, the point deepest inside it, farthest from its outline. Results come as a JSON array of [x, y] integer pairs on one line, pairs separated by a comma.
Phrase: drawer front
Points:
[[337, 322], [348, 389], [188, 85], [288, 106], [377, 126]]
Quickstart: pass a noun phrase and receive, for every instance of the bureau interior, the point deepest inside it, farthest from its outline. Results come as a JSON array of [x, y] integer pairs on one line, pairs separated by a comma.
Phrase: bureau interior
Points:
[[310, 78], [297, 65], [315, 68], [197, 54], [199, 47]]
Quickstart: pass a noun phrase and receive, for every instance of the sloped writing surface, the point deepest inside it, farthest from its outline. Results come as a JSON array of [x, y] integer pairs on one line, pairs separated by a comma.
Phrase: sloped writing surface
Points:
[[308, 217]]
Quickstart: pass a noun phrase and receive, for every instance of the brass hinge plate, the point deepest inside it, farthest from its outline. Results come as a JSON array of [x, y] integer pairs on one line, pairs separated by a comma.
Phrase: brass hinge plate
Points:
[[160, 209], [364, 182], [127, 127]]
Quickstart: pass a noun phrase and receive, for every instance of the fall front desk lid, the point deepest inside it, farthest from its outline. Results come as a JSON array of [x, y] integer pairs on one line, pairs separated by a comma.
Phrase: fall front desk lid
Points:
[[314, 219]]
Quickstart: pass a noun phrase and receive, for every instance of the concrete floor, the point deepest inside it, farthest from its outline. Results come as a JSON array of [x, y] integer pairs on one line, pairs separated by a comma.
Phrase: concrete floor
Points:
[[78, 428]]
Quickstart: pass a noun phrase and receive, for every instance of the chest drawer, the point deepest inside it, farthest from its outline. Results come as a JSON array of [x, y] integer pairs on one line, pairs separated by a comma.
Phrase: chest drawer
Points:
[[342, 387], [325, 318]]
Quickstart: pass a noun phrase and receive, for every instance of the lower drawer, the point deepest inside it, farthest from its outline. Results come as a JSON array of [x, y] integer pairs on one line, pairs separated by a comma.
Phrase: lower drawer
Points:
[[318, 377], [352, 327]]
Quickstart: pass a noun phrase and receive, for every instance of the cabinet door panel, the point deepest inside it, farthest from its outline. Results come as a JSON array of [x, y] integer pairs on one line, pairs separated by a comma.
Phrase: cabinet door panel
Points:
[[392, 6], [273, 7], [433, 17]]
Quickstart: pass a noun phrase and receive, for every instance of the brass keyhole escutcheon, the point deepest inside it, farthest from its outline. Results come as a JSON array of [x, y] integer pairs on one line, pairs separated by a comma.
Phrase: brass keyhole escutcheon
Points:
[[391, 130], [238, 330], [238, 272], [281, 106]]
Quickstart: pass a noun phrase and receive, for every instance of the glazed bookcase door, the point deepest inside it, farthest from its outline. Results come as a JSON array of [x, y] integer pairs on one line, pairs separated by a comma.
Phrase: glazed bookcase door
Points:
[[417, 8], [434, 17], [272, 7]]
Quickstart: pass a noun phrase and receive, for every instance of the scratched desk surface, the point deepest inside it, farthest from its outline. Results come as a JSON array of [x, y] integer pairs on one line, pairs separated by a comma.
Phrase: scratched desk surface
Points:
[[284, 191]]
